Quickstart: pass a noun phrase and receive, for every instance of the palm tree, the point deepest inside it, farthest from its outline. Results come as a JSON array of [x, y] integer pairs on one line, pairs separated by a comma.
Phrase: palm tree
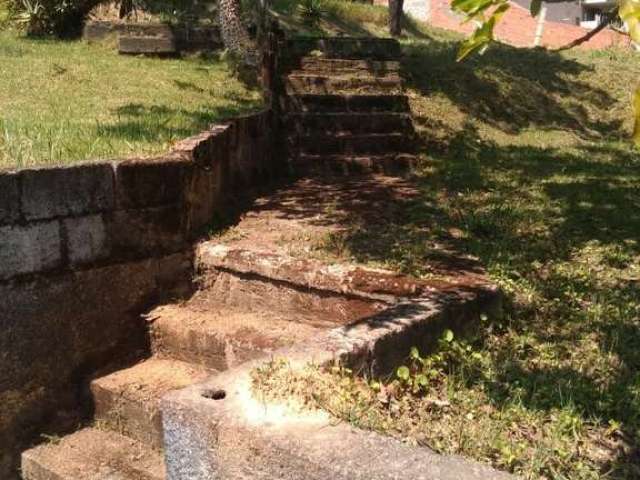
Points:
[[234, 31]]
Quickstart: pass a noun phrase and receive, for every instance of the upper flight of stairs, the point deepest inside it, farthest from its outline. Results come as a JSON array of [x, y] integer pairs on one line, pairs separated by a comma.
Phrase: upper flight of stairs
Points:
[[344, 107]]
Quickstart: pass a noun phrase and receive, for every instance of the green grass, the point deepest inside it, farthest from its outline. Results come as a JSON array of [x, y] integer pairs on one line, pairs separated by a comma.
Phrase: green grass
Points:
[[62, 102], [528, 167]]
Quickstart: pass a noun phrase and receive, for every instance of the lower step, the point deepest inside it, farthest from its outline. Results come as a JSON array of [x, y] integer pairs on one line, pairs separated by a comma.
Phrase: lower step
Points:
[[302, 82], [127, 401], [93, 454], [394, 164], [348, 144]]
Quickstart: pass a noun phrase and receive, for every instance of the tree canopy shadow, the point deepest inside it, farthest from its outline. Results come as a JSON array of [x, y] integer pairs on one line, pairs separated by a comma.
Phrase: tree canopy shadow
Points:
[[514, 89]]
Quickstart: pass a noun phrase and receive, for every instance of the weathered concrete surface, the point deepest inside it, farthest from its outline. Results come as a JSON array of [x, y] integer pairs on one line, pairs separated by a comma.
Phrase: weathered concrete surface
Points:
[[33, 248], [67, 191], [144, 233], [238, 437], [295, 301], [220, 337], [150, 183]]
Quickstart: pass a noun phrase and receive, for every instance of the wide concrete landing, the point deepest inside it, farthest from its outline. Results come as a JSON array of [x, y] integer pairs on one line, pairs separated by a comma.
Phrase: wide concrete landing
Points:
[[93, 454], [321, 217]]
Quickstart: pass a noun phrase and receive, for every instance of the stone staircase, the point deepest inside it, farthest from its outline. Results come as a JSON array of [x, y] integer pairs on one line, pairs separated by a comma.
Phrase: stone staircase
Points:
[[344, 107], [257, 289]]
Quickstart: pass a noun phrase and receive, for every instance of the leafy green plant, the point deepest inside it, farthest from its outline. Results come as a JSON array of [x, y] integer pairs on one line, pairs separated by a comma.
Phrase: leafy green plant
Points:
[[420, 373], [59, 17], [31, 12], [310, 12]]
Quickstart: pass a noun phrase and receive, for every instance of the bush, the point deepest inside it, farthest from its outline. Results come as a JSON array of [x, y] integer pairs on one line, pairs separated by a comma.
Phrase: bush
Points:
[[44, 17]]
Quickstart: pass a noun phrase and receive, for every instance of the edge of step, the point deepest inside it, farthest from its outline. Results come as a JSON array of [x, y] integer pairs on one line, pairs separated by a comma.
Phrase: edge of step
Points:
[[343, 279], [91, 454]]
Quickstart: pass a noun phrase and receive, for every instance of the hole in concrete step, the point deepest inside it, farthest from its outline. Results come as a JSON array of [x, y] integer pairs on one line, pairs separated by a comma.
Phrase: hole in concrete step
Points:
[[214, 394]]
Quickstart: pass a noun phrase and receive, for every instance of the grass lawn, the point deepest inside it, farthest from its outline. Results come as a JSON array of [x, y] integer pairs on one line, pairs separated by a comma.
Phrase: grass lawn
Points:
[[527, 167], [62, 102]]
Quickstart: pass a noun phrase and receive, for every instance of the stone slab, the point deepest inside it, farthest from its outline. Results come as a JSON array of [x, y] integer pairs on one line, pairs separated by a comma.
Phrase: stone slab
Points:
[[30, 249], [343, 279], [68, 191]]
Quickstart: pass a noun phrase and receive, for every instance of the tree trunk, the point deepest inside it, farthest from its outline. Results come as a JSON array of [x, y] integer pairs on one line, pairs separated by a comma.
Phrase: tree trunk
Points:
[[395, 17], [126, 7], [234, 32]]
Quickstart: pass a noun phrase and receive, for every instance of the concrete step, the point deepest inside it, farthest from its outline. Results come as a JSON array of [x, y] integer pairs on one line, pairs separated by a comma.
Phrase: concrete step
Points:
[[92, 454], [332, 65], [390, 164], [346, 48], [310, 123], [303, 82], [127, 401], [221, 337], [353, 145]]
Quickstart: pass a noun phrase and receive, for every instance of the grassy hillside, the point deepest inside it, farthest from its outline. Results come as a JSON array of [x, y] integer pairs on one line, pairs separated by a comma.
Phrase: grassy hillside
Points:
[[62, 102], [527, 165]]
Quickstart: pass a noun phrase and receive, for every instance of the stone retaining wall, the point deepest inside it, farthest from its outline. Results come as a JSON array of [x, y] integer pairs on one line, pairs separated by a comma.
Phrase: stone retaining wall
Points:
[[84, 249]]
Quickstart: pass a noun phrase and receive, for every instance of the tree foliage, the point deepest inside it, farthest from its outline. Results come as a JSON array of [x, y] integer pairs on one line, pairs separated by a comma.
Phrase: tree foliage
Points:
[[487, 14]]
